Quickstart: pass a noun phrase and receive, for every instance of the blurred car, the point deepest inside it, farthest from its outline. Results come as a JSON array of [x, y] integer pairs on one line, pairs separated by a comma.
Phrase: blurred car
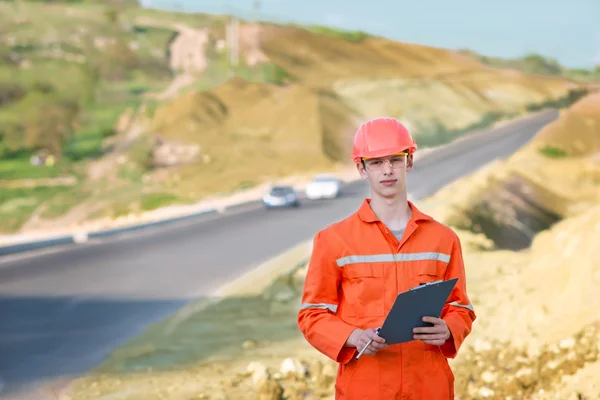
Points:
[[281, 196], [324, 187]]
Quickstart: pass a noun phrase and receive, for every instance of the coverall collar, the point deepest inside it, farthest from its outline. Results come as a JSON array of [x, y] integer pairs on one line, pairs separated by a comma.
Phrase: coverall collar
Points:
[[366, 214]]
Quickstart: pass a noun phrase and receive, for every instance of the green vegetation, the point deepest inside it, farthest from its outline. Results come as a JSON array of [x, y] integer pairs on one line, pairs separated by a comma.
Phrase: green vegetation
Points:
[[18, 204], [153, 201], [573, 96], [537, 64], [105, 68], [351, 36], [19, 167], [220, 70], [553, 152], [437, 134]]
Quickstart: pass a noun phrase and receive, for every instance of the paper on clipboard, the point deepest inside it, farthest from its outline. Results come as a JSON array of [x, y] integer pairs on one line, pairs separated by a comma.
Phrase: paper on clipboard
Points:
[[411, 306]]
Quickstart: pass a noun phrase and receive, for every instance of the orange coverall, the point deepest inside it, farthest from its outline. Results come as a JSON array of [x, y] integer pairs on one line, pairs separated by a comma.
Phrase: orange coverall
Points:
[[356, 270]]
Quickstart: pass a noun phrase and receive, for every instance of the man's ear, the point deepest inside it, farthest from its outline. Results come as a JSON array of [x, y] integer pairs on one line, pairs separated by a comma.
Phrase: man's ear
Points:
[[409, 162], [361, 170]]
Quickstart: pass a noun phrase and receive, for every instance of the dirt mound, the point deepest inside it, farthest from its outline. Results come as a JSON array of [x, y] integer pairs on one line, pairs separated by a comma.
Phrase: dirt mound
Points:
[[555, 176], [251, 131]]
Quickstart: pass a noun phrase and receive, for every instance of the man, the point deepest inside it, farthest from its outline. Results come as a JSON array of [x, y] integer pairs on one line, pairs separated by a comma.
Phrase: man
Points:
[[360, 264]]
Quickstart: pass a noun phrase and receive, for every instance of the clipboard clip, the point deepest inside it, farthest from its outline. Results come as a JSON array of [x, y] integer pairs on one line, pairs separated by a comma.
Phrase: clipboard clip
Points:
[[426, 284]]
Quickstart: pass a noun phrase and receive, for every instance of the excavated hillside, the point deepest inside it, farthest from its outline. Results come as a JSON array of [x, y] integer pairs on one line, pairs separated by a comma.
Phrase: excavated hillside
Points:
[[289, 106], [537, 335], [323, 87], [248, 132]]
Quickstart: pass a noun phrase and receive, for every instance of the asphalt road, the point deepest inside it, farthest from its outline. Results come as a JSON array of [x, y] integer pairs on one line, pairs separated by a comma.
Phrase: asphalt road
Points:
[[62, 312]]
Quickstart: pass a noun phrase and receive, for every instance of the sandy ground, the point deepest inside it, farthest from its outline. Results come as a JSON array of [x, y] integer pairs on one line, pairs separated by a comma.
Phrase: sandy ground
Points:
[[537, 335]]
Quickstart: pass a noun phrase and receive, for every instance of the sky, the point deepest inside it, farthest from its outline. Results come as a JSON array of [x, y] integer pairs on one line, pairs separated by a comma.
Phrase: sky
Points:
[[567, 30]]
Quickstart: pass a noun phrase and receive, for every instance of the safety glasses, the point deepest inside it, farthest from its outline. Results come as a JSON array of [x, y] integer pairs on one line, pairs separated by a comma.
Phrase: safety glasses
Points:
[[396, 161]]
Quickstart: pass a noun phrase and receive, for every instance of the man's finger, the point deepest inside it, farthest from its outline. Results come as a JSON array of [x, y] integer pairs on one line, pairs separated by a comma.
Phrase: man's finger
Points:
[[375, 348], [373, 335], [429, 329], [429, 337], [433, 320], [378, 346]]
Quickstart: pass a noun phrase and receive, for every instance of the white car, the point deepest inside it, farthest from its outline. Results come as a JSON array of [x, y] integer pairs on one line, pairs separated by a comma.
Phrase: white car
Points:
[[324, 187]]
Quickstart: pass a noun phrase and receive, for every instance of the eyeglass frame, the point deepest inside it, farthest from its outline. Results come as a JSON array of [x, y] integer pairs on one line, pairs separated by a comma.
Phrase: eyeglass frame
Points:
[[390, 161]]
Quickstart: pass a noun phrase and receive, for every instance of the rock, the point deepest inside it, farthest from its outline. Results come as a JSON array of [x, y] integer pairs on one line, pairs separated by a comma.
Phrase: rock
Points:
[[326, 378], [489, 377], [567, 343], [486, 392], [249, 344], [482, 345], [552, 364], [284, 295], [227, 383], [291, 367], [124, 121], [168, 154], [259, 372], [299, 277], [329, 369], [296, 391], [269, 390], [277, 376], [525, 376], [315, 369]]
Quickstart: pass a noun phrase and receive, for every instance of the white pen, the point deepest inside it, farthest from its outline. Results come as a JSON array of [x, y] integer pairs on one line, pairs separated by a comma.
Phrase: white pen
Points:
[[367, 345]]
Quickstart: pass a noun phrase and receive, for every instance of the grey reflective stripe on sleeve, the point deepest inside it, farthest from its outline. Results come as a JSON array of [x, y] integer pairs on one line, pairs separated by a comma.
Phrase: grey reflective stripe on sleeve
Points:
[[332, 307], [376, 258], [468, 306]]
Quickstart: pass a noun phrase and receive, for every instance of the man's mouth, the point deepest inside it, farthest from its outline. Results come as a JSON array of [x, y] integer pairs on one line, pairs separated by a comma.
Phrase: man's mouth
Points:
[[389, 182]]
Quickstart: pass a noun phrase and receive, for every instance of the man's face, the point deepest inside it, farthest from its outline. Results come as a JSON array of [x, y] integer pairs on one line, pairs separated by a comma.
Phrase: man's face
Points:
[[386, 175]]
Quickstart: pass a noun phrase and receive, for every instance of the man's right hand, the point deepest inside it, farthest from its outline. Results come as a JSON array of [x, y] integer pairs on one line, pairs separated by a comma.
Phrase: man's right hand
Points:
[[359, 338]]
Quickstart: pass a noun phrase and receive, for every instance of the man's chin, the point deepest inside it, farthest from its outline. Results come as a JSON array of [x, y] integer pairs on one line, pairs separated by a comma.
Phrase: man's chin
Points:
[[391, 193]]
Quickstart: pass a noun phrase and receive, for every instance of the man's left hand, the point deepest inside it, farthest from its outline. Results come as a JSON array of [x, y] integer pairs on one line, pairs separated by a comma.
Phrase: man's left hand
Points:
[[436, 334]]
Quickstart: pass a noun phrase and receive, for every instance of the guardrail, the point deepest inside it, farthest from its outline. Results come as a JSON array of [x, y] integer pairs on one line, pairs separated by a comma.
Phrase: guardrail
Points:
[[36, 245]]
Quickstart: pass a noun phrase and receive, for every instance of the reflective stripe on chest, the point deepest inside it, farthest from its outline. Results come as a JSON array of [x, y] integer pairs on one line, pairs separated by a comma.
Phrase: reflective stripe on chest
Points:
[[399, 257]]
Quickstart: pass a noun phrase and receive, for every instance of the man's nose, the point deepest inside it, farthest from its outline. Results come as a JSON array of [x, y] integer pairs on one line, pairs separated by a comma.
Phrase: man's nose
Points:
[[387, 167]]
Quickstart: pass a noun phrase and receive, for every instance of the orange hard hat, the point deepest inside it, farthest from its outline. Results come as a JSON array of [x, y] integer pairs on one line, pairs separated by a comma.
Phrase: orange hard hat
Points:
[[381, 137]]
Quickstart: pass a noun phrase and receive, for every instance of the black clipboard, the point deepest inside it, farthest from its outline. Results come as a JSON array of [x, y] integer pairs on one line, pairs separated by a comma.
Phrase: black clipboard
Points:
[[411, 306]]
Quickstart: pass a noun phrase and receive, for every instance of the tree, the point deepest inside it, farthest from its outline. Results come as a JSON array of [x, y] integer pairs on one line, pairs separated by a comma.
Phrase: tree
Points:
[[52, 126]]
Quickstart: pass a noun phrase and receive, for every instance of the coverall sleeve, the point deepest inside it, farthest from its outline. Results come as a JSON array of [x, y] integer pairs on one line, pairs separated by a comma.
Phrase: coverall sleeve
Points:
[[317, 318], [458, 311]]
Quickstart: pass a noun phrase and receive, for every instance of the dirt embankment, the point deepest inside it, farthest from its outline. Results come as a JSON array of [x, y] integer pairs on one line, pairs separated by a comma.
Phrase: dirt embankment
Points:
[[538, 330]]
